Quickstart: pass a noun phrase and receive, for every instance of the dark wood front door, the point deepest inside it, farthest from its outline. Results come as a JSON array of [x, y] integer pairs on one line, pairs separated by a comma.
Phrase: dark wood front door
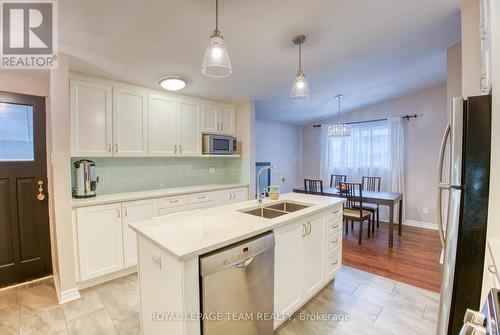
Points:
[[24, 219]]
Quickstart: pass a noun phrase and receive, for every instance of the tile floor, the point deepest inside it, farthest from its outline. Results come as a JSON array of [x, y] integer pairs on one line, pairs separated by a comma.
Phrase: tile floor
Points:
[[376, 305]]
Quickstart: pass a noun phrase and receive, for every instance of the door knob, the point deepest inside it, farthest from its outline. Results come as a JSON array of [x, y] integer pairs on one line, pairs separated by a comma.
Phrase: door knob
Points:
[[40, 196]]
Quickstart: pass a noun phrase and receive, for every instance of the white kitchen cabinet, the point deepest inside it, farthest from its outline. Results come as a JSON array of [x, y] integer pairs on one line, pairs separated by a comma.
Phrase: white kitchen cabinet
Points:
[[162, 125], [135, 211], [210, 119], [188, 130], [287, 268], [218, 118], [130, 121], [90, 118], [100, 240], [313, 256], [227, 119], [225, 197]]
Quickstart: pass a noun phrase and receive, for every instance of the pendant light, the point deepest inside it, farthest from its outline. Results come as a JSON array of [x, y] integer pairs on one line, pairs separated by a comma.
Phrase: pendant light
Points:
[[216, 61], [339, 129], [300, 88]]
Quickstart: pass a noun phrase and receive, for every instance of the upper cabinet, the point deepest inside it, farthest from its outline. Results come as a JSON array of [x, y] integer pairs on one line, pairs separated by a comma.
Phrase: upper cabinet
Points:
[[130, 122], [91, 118], [218, 118], [115, 119], [162, 125], [188, 130]]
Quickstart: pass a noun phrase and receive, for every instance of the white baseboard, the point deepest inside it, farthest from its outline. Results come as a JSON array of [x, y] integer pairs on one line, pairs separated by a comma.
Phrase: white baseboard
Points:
[[69, 295], [106, 278], [421, 224]]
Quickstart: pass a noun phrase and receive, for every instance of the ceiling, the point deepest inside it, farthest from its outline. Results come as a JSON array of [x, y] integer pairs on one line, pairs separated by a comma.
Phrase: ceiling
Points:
[[368, 50]]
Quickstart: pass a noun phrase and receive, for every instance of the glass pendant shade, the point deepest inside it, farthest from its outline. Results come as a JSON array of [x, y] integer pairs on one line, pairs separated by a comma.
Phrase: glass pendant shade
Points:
[[216, 61], [300, 88]]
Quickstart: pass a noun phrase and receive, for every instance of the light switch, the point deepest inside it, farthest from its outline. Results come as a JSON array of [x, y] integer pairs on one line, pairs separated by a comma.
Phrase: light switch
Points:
[[211, 170]]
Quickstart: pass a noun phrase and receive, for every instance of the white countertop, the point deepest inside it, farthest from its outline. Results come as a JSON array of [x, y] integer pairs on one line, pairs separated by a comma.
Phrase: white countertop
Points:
[[150, 194], [189, 234]]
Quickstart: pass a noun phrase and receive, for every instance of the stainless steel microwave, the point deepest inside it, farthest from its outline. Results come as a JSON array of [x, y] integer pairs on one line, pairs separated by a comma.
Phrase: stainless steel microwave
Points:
[[219, 145]]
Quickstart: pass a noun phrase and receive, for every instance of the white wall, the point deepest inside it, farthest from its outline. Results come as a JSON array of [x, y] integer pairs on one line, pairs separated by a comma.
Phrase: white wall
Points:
[[423, 138], [281, 144]]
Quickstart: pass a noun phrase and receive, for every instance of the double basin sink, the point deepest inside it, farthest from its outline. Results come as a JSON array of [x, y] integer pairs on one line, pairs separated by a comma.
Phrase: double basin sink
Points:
[[272, 211]]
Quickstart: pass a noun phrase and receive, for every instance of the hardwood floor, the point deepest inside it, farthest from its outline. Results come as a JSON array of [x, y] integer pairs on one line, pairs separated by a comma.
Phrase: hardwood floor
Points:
[[414, 260]]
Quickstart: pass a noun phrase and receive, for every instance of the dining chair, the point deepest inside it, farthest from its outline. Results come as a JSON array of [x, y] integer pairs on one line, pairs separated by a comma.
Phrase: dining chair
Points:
[[372, 184], [336, 179], [313, 186], [353, 207]]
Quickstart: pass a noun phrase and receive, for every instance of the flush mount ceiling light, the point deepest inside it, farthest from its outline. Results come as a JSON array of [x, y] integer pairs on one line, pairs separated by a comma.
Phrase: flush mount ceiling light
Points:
[[300, 88], [216, 61], [173, 83], [339, 129]]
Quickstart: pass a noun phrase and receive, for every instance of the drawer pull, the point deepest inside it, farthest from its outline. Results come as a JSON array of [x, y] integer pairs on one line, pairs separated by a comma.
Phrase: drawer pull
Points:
[[173, 201], [492, 269], [336, 212], [202, 197], [336, 241], [336, 227], [335, 263]]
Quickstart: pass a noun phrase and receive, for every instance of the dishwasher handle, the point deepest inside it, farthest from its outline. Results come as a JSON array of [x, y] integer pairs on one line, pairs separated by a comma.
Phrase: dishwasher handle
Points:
[[244, 263]]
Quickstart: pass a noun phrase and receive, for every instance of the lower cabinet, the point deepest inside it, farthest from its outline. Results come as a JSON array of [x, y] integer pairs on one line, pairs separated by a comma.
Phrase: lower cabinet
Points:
[[133, 212], [104, 243], [226, 197], [100, 241], [303, 261]]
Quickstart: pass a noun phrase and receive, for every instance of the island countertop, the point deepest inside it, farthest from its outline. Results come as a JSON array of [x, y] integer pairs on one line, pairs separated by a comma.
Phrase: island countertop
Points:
[[193, 233]]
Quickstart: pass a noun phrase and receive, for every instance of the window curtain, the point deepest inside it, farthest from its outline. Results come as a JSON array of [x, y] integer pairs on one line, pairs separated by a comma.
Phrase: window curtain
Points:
[[372, 149], [397, 156]]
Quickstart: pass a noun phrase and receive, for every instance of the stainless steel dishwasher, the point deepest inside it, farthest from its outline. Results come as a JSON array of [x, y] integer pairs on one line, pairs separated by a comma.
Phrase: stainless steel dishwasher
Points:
[[237, 288]]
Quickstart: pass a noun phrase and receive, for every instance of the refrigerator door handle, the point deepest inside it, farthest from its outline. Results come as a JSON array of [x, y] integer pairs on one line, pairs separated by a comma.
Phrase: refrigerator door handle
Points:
[[441, 185]]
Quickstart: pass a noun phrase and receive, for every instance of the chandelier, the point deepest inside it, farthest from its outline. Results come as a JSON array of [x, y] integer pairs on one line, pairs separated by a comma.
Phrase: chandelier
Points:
[[339, 129]]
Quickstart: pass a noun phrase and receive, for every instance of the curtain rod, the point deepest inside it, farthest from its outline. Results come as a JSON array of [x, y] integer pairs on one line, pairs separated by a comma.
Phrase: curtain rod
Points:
[[407, 117]]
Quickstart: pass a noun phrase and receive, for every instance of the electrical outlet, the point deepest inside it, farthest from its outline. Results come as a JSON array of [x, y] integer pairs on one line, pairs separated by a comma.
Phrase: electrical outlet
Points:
[[211, 170], [157, 261], [425, 210]]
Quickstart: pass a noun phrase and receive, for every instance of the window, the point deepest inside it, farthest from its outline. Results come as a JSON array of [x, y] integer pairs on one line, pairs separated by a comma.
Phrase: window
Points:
[[364, 153], [16, 132]]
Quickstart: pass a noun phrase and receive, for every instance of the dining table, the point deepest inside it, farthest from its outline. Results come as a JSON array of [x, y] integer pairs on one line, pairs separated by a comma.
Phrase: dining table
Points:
[[389, 199]]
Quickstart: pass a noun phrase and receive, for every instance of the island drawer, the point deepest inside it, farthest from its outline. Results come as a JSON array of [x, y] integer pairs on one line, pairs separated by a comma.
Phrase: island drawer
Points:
[[200, 197], [334, 213], [173, 201], [333, 226], [334, 241], [334, 260]]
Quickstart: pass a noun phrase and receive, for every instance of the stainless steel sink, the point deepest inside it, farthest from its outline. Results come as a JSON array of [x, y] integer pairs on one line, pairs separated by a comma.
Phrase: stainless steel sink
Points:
[[275, 210], [288, 207], [265, 212]]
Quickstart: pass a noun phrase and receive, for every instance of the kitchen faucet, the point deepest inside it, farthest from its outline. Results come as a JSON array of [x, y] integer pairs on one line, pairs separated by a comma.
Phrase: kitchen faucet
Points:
[[262, 195]]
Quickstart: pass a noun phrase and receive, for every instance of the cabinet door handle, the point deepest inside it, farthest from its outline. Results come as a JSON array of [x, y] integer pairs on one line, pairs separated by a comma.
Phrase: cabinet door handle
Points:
[[304, 230], [116, 147], [125, 213], [492, 269], [109, 147], [221, 126], [180, 149], [310, 228], [118, 213], [175, 148]]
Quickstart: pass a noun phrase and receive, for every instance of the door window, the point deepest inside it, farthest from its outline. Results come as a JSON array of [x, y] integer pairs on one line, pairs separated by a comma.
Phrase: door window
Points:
[[16, 132]]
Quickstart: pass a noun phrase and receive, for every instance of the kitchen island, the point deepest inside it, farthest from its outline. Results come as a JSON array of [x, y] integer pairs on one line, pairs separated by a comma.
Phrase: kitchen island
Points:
[[308, 248]]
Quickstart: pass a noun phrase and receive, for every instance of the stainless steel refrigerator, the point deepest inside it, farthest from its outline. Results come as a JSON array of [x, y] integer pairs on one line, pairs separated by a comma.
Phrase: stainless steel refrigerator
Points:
[[463, 188]]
